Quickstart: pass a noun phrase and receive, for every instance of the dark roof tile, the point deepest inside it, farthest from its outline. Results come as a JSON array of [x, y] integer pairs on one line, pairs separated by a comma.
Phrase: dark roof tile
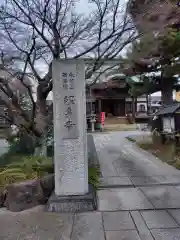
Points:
[[169, 109]]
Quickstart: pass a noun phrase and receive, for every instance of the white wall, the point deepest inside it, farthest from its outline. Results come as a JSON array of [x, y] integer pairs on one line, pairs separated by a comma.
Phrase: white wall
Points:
[[141, 99], [138, 106], [168, 124]]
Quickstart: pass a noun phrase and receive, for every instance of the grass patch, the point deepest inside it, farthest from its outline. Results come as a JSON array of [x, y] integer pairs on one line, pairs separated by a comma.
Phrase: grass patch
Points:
[[3, 133], [94, 175], [168, 153], [120, 127], [131, 139]]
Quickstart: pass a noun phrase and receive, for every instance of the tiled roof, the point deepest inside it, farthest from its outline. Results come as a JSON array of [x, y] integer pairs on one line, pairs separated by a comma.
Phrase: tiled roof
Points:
[[169, 109], [111, 83]]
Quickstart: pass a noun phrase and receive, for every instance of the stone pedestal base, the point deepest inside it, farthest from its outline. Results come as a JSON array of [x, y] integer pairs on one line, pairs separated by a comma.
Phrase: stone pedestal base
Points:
[[73, 203]]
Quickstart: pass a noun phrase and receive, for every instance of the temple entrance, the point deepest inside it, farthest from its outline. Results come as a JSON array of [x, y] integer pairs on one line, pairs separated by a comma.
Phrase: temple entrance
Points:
[[113, 107]]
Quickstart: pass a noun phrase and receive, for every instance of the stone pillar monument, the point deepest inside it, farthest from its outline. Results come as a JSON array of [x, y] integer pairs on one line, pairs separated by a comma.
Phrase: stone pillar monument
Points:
[[70, 143]]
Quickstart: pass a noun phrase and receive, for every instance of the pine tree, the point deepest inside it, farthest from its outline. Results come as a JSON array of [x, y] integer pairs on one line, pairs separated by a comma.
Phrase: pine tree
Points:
[[156, 59]]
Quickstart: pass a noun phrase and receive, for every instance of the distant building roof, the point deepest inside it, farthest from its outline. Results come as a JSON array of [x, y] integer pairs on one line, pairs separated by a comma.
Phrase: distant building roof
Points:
[[111, 83], [169, 109]]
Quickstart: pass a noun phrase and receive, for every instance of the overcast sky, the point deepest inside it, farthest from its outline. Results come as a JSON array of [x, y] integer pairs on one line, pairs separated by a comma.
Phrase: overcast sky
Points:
[[83, 6]]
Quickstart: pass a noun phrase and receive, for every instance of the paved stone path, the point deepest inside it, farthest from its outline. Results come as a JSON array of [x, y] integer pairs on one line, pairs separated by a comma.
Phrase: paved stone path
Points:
[[139, 199]]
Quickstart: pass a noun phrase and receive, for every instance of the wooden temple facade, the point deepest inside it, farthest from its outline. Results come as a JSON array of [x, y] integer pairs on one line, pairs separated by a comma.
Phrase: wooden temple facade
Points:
[[113, 98]]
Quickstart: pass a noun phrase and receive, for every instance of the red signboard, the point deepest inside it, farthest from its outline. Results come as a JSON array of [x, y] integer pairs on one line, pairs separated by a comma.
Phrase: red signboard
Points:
[[102, 118]]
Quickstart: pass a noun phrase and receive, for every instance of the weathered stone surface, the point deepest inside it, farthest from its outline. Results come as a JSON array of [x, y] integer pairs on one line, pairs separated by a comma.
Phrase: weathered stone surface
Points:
[[122, 235], [162, 196], [24, 195], [47, 184], [126, 166], [122, 199], [106, 160], [166, 234], [70, 157], [178, 188], [148, 180], [3, 194], [176, 214], [92, 154], [158, 219], [114, 221], [115, 182], [35, 224], [120, 157], [143, 231], [173, 179], [73, 203], [88, 226]]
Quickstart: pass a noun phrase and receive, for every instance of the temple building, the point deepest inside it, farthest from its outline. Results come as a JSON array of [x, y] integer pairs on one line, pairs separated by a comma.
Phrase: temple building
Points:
[[113, 98]]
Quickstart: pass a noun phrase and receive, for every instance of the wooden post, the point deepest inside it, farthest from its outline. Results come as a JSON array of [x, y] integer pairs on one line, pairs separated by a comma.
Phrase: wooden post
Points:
[[133, 109], [99, 105]]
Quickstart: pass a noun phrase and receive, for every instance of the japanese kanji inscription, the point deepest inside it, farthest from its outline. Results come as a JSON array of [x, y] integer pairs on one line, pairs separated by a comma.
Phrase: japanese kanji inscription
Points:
[[68, 91]]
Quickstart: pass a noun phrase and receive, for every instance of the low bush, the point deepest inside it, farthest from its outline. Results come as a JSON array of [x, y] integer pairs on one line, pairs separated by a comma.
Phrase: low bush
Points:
[[28, 167], [11, 175], [18, 147], [31, 167], [39, 164]]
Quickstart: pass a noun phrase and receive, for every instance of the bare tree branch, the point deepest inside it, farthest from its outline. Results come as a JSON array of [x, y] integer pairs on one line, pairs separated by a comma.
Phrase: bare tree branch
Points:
[[36, 32]]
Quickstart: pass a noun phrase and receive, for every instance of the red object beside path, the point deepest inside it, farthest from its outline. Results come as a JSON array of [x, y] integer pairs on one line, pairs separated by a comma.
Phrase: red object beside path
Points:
[[102, 118]]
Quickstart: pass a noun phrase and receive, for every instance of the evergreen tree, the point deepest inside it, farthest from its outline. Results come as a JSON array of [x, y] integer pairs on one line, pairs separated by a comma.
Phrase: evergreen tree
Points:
[[156, 59]]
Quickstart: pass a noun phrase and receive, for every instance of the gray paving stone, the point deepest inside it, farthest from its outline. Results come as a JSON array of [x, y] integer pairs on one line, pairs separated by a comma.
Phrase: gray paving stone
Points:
[[115, 181], [88, 226], [148, 180], [120, 157], [35, 224], [122, 235], [143, 231], [126, 166], [107, 168], [158, 219], [166, 234], [114, 221], [176, 214], [162, 196], [122, 199], [173, 179], [178, 188]]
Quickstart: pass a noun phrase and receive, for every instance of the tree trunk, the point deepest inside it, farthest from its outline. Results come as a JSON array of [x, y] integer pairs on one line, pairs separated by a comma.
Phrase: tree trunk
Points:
[[133, 109], [41, 148], [166, 91], [42, 118]]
